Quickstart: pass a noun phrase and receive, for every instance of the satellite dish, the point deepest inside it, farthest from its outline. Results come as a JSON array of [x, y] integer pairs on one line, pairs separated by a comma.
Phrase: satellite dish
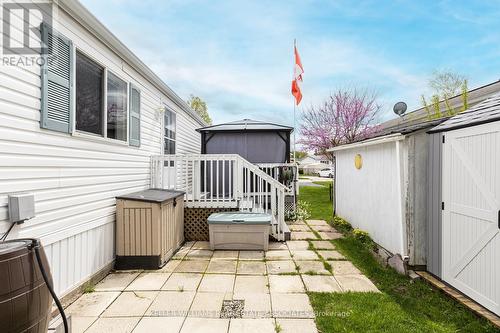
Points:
[[399, 108]]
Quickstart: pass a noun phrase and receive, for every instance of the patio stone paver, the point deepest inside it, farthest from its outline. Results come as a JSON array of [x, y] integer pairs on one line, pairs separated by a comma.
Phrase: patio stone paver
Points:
[[316, 267], [299, 227], [278, 255], [291, 306], [207, 305], [116, 281], [170, 266], [217, 283], [323, 245], [228, 255], [114, 325], [321, 283], [297, 245], [356, 282], [302, 235], [286, 284], [316, 222], [205, 325], [257, 305], [199, 254], [304, 255], [80, 324], [342, 267], [183, 282], [222, 266], [201, 245], [330, 235], [130, 304], [323, 228], [262, 325], [279, 267], [159, 325], [171, 304], [149, 281], [186, 295], [251, 284], [92, 304], [181, 253], [297, 325], [277, 246], [251, 255], [251, 267], [330, 255], [192, 266]]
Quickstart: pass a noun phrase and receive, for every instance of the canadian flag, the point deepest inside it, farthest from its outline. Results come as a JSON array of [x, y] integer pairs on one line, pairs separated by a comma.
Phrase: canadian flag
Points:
[[297, 77]]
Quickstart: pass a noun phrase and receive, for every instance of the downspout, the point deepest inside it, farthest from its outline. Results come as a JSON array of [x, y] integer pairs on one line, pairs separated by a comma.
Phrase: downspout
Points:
[[400, 175]]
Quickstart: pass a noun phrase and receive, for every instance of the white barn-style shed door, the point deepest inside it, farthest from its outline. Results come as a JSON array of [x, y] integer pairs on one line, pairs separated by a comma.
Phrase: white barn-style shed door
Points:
[[471, 198]]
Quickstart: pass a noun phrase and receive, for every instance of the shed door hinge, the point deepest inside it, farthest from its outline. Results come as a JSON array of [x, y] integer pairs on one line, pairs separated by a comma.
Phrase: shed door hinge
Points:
[[444, 139], [442, 205]]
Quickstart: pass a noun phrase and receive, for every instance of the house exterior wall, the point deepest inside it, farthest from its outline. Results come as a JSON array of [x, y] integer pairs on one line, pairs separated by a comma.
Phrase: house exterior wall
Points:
[[75, 177], [369, 198]]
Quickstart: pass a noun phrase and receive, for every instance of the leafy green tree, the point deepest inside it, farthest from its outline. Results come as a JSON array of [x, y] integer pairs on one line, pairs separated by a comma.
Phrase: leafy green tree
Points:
[[446, 85], [199, 105]]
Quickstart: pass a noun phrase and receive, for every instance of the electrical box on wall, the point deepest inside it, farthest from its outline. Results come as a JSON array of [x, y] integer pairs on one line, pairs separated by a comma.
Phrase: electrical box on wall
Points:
[[21, 207]]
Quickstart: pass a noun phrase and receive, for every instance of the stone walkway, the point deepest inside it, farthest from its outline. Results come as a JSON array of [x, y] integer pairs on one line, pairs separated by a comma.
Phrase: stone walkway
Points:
[[194, 291]]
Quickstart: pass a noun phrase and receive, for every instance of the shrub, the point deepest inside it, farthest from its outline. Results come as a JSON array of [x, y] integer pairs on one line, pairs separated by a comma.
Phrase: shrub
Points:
[[302, 212], [341, 225], [362, 236]]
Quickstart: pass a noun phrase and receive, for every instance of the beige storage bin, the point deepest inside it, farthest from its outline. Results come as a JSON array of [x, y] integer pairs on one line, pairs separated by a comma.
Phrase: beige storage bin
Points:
[[149, 228], [239, 231]]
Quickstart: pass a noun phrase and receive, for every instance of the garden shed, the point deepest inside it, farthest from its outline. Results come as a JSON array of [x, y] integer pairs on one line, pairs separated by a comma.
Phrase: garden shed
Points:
[[381, 187], [464, 211], [255, 141]]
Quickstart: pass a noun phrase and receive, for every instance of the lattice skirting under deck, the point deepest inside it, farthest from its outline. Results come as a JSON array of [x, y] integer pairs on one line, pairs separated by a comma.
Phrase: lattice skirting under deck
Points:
[[195, 222]]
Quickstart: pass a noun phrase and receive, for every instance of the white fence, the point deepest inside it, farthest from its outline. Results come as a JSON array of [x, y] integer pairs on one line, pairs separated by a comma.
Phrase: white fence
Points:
[[222, 181]]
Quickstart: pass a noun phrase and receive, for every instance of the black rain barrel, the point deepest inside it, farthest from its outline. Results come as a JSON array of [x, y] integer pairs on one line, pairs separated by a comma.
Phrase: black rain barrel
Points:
[[25, 301]]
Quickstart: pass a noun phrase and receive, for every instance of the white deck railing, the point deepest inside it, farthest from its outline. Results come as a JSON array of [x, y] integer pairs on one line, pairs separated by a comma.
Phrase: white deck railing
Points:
[[286, 173], [222, 181]]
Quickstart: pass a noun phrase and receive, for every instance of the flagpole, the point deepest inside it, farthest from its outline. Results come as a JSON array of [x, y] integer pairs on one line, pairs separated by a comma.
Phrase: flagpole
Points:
[[294, 114]]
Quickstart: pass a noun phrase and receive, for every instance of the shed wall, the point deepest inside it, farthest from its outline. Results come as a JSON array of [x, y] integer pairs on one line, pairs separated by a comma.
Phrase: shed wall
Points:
[[434, 223], [368, 198], [75, 178], [417, 198]]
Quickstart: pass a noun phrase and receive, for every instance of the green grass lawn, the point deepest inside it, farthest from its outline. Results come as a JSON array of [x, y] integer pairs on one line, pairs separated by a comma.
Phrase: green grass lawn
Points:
[[319, 199], [402, 305]]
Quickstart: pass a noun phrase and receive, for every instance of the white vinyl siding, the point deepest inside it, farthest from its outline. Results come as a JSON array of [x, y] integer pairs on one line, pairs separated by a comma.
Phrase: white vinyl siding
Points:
[[75, 177]]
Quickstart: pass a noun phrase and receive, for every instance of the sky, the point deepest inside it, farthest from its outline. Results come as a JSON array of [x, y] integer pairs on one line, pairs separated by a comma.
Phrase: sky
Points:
[[238, 55]]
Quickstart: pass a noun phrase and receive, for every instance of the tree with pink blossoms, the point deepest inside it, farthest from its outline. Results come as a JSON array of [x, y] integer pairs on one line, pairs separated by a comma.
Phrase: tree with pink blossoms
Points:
[[348, 115]]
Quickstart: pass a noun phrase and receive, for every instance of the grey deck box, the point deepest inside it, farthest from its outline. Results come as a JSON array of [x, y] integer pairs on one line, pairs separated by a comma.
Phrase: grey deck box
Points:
[[239, 231]]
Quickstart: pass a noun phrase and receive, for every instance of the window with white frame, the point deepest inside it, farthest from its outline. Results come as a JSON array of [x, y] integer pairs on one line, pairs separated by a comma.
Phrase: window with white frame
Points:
[[91, 116], [169, 132], [116, 108]]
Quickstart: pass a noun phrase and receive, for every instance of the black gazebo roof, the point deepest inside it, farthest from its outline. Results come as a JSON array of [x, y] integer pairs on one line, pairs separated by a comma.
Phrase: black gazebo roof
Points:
[[246, 125]]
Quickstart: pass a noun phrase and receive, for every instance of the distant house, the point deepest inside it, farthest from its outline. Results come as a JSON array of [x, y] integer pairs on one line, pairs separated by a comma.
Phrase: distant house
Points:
[[312, 164]]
